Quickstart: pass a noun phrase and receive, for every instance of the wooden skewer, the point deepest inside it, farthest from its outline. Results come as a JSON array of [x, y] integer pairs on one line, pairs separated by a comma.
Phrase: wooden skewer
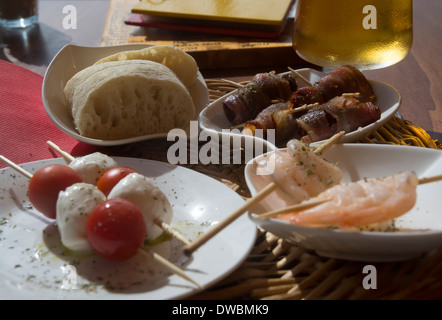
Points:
[[151, 254], [304, 107], [430, 179], [351, 95], [16, 167], [166, 263], [63, 153], [297, 207], [168, 229], [327, 144], [198, 242], [300, 76]]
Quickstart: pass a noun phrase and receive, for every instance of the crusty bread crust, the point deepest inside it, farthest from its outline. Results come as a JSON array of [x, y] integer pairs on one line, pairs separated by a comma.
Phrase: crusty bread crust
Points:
[[183, 64]]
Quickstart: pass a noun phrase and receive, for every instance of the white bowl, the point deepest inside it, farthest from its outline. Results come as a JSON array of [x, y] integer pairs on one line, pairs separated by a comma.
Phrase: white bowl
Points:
[[358, 161], [213, 118], [70, 60]]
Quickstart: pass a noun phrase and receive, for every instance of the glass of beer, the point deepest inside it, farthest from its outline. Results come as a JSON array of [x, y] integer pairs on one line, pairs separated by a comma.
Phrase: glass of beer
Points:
[[367, 34], [18, 13]]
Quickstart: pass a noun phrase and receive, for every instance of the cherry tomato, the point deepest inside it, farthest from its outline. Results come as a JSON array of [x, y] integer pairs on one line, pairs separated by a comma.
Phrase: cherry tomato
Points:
[[45, 185], [111, 177], [116, 229]]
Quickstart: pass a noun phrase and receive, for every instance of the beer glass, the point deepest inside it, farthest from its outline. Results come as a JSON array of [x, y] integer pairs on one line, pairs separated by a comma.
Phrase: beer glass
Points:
[[18, 13], [367, 34]]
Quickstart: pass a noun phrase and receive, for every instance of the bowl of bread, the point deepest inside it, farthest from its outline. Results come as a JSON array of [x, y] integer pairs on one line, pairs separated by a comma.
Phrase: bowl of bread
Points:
[[122, 94]]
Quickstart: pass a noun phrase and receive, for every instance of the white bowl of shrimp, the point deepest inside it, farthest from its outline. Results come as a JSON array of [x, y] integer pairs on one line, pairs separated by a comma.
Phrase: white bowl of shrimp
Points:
[[376, 205]]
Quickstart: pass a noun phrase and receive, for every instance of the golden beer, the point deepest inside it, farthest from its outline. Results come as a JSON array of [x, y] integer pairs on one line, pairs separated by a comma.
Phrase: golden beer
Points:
[[367, 34]]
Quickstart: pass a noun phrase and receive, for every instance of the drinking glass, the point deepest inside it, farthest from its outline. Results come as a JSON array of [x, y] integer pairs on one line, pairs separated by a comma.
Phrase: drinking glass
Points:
[[18, 13], [367, 34]]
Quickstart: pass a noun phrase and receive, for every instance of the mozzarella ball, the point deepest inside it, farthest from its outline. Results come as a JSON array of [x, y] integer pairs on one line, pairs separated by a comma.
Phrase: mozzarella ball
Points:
[[92, 166], [152, 202], [74, 206]]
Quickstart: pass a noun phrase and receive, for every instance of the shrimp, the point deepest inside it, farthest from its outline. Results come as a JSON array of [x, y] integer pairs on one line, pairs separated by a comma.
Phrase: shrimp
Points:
[[300, 174], [361, 203]]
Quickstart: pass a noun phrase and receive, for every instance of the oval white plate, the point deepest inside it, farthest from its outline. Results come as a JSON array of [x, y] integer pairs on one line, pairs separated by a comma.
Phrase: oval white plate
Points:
[[70, 60], [34, 265], [213, 118], [358, 161]]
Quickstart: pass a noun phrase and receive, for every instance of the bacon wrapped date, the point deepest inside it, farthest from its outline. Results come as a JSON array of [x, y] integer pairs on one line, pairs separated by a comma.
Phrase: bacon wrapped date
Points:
[[346, 79], [320, 122], [257, 95], [306, 96], [341, 113], [279, 116]]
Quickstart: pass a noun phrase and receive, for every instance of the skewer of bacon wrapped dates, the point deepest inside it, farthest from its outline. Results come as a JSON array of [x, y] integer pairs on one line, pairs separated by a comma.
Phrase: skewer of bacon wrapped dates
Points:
[[345, 79], [314, 122], [342, 100], [258, 94]]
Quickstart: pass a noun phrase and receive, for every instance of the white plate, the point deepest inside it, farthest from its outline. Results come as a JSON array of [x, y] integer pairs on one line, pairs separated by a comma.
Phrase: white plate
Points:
[[213, 118], [31, 266], [70, 60], [358, 161]]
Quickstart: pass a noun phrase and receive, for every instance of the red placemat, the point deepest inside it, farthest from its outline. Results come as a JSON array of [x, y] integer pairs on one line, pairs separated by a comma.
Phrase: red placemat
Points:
[[24, 124]]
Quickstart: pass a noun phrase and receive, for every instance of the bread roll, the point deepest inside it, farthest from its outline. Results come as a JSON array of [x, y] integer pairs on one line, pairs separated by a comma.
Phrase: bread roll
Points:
[[123, 99], [183, 64]]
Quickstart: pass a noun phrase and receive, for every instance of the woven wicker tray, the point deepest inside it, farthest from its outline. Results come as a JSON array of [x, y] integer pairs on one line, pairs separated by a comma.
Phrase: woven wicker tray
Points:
[[277, 269]]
